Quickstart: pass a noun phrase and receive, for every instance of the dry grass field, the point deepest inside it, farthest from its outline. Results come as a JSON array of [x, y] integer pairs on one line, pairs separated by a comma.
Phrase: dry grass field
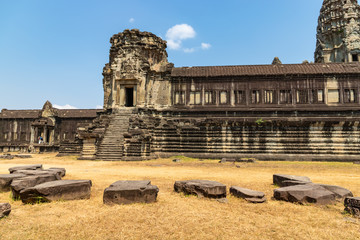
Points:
[[176, 216]]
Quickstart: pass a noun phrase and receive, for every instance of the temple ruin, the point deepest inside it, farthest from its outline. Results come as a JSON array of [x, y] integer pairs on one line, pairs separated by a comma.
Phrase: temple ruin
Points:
[[308, 111]]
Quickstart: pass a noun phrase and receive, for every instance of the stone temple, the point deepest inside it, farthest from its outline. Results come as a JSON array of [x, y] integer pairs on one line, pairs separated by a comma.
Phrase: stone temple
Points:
[[308, 111]]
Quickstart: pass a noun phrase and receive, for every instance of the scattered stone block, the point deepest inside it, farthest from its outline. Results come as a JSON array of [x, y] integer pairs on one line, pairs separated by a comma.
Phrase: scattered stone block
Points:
[[356, 162], [26, 167], [37, 172], [201, 188], [61, 171], [225, 160], [6, 179], [17, 185], [246, 160], [23, 156], [340, 192], [288, 183], [279, 179], [352, 205], [248, 194], [308, 193], [57, 190], [127, 192], [5, 209], [7, 156]]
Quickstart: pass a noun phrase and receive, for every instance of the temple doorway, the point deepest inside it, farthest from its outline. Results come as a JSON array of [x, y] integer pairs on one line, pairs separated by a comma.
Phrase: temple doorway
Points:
[[129, 97]]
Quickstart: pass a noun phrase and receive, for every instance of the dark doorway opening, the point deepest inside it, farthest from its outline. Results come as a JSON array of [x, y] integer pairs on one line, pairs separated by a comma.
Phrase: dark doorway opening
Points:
[[129, 101], [47, 136]]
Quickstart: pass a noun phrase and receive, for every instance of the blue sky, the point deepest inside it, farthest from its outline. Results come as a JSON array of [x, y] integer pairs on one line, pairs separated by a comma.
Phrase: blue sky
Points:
[[55, 50]]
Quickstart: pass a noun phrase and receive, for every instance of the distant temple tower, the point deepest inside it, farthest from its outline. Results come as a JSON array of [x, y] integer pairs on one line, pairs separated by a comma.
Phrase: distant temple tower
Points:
[[338, 32], [134, 76]]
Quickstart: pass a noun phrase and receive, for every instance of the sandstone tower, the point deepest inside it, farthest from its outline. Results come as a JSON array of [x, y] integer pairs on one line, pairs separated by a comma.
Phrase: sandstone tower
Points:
[[134, 76], [338, 32]]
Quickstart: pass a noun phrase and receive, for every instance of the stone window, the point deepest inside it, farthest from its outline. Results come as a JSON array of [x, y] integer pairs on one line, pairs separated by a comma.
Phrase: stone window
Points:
[[179, 97], [223, 97], [239, 97], [255, 96], [333, 96], [195, 98], [269, 96], [209, 97], [349, 96], [285, 96], [355, 58], [317, 96], [302, 96]]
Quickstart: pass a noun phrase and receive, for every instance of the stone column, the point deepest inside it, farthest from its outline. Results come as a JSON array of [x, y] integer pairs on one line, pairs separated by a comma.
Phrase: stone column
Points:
[[122, 95], [135, 95], [45, 134], [52, 136], [32, 133], [36, 135]]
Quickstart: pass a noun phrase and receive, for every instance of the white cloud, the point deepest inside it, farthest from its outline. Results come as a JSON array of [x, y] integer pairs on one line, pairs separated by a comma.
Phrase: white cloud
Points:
[[173, 44], [131, 20], [99, 107], [205, 46], [66, 106], [176, 34], [189, 50]]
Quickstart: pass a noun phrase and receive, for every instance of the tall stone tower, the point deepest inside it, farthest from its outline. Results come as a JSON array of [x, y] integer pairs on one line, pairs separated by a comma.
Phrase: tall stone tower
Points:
[[136, 73], [338, 32]]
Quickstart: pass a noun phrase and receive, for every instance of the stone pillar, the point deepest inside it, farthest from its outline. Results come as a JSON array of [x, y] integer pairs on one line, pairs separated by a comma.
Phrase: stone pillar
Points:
[[36, 135], [45, 134], [122, 96], [32, 132], [135, 95], [52, 136]]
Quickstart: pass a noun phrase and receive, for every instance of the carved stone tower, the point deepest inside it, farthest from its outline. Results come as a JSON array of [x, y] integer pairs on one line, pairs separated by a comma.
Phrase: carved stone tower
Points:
[[135, 74], [338, 32]]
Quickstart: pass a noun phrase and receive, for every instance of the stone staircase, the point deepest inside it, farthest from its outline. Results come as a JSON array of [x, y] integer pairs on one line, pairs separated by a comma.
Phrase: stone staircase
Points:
[[112, 145]]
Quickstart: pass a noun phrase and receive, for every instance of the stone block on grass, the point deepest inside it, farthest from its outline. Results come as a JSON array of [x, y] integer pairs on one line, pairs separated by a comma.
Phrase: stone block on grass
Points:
[[283, 180], [201, 188], [128, 192], [57, 190], [308, 193], [248, 194], [26, 167], [20, 184], [6, 179]]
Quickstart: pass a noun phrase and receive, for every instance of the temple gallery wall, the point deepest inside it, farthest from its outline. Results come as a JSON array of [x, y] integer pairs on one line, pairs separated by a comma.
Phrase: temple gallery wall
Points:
[[308, 111]]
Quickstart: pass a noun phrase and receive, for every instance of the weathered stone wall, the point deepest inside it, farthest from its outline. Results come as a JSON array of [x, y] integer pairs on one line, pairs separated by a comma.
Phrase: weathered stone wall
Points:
[[268, 136], [14, 134]]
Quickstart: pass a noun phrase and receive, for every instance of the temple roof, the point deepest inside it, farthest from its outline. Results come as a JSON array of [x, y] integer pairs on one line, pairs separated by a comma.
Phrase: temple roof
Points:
[[19, 113], [77, 113], [261, 70], [61, 113]]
